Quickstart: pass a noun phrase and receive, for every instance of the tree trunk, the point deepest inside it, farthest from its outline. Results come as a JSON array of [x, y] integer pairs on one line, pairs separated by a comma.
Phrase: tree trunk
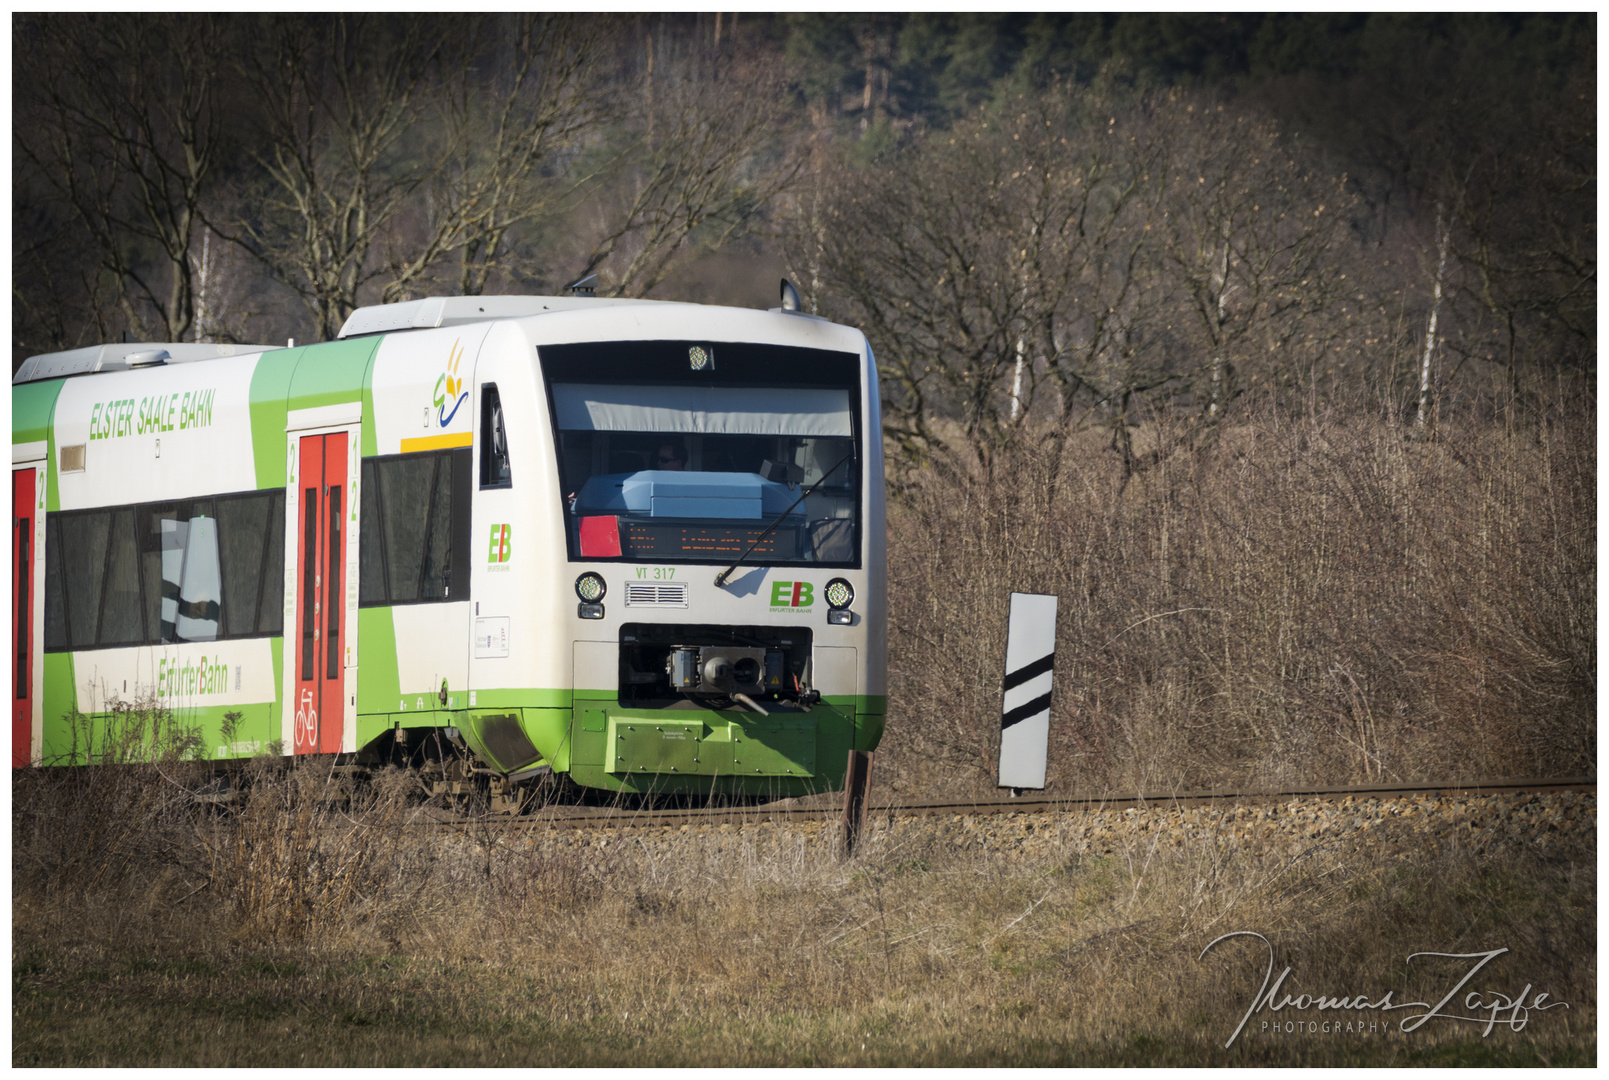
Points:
[[1443, 238], [1016, 382], [203, 279], [1223, 296], [648, 86], [866, 95]]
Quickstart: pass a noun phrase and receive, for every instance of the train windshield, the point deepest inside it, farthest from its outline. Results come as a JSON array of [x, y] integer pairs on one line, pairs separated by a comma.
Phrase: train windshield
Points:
[[701, 466]]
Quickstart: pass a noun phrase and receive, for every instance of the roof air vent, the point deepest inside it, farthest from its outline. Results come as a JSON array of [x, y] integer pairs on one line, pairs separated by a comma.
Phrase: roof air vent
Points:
[[147, 358]]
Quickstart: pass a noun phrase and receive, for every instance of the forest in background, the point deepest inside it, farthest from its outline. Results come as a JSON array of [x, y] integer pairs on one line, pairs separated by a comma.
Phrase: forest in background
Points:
[[1133, 197], [1268, 342]]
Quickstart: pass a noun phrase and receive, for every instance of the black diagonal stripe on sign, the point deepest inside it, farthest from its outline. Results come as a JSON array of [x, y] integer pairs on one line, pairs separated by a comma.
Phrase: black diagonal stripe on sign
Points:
[[1023, 712], [1029, 671]]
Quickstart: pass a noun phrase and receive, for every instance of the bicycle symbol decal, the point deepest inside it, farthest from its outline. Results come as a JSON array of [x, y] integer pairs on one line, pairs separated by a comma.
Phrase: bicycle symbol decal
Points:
[[306, 721]]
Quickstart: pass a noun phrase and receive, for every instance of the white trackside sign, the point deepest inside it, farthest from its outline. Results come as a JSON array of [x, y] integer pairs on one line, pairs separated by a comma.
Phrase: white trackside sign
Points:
[[1025, 710]]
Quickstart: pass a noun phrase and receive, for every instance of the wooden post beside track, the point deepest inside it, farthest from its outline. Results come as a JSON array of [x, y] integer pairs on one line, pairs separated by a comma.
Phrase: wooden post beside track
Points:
[[857, 785]]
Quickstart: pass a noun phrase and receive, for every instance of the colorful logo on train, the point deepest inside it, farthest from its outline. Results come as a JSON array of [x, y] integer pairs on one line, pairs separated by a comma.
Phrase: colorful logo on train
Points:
[[500, 547], [792, 594], [450, 389]]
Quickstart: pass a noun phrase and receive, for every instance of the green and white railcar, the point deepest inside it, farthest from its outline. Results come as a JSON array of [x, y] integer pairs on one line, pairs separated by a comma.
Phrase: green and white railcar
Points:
[[501, 524]]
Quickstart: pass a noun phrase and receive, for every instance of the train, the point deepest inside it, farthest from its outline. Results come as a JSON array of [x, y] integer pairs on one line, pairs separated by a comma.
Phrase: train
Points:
[[498, 539]]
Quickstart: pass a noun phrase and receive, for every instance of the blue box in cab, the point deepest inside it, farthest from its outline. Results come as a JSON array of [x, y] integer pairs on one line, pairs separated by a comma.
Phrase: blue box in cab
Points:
[[662, 494]]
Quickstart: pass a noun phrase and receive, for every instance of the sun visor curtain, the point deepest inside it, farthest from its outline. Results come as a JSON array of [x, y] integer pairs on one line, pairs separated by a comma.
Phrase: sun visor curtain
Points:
[[712, 410]]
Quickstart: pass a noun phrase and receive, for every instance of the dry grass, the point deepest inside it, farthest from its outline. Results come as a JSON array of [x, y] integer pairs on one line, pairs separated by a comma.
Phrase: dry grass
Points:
[[1315, 599], [1318, 599], [749, 946]]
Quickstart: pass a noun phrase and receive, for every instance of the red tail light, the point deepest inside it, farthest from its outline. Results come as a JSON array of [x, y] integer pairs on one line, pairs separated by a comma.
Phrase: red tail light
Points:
[[600, 537]]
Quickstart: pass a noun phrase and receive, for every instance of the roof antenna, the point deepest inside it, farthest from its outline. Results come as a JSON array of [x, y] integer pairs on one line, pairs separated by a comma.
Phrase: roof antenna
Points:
[[790, 296], [581, 288]]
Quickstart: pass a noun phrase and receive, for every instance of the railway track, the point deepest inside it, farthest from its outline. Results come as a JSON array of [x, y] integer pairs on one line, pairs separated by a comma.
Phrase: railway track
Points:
[[830, 806]]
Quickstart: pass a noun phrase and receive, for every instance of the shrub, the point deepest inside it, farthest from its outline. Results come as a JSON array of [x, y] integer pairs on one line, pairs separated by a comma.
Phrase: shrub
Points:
[[1288, 599]]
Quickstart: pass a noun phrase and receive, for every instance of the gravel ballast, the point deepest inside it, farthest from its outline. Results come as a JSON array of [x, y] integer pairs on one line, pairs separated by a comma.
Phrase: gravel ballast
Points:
[[1388, 827]]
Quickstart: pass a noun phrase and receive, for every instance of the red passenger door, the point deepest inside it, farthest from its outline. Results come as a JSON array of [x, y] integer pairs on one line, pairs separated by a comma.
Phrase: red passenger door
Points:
[[321, 601], [22, 621]]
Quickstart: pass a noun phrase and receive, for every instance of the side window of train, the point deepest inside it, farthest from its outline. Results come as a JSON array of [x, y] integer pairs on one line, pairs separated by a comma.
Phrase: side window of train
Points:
[[494, 470], [92, 598], [193, 570], [251, 530], [413, 542], [182, 570]]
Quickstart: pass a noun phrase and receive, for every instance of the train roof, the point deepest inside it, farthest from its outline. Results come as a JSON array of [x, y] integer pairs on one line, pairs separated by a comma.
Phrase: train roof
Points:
[[125, 356], [428, 313], [434, 311]]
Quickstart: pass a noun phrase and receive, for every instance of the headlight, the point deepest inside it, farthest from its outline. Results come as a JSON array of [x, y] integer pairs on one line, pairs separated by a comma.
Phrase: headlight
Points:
[[590, 588], [840, 594]]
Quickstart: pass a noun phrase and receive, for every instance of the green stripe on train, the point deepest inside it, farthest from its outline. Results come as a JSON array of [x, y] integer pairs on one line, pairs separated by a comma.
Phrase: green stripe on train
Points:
[[32, 408], [575, 731], [147, 729], [333, 373]]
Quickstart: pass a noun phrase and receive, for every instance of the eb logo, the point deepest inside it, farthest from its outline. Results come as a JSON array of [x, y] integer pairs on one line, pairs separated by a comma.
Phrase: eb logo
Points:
[[500, 544], [792, 594]]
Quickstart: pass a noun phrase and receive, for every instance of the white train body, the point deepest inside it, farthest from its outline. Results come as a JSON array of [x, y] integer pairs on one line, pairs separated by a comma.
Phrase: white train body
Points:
[[400, 536]]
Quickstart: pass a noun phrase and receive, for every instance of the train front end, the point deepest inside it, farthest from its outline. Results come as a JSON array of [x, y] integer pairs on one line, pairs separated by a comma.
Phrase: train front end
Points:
[[709, 525]]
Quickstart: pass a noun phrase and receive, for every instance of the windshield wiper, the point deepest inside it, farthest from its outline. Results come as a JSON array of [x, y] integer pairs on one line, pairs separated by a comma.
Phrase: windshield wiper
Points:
[[720, 579]]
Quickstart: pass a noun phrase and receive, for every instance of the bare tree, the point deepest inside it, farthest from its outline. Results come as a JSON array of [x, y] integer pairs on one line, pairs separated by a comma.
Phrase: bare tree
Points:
[[54, 277], [1524, 206], [1250, 234], [514, 127], [708, 163], [206, 274], [1438, 288], [341, 100], [916, 253], [117, 115], [986, 261]]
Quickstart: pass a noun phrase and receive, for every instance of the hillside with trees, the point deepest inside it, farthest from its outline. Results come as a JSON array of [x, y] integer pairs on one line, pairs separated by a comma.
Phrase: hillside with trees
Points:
[[1268, 342]]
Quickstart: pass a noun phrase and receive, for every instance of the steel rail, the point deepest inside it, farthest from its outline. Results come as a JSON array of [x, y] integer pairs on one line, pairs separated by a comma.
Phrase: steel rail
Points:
[[829, 806]]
